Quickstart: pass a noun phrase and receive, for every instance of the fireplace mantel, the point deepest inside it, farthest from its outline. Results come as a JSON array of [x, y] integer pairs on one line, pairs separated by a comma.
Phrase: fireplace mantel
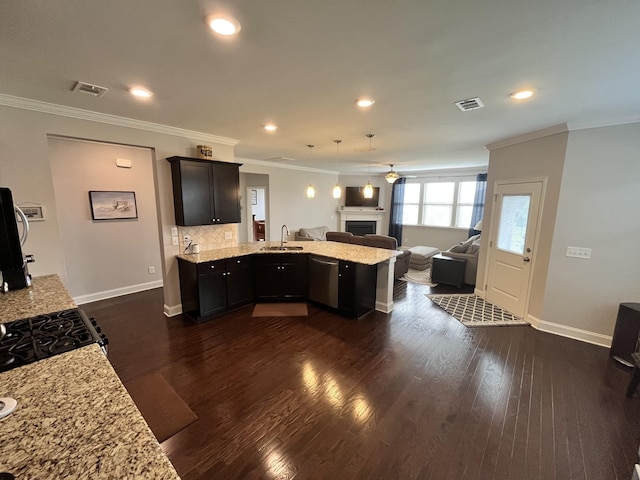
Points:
[[355, 214]]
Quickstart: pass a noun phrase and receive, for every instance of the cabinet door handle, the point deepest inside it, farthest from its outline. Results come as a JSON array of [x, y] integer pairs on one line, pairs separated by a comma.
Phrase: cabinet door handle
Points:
[[212, 267]]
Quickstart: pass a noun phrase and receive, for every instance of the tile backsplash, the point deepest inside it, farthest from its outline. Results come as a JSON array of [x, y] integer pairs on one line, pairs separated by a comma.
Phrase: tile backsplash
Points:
[[210, 237]]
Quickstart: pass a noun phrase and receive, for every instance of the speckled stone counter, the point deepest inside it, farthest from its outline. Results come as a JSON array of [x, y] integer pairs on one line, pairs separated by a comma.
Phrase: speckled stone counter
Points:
[[74, 418], [46, 295], [340, 251]]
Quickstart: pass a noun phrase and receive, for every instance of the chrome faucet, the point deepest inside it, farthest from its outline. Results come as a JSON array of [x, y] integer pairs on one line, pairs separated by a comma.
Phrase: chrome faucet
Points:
[[282, 230]]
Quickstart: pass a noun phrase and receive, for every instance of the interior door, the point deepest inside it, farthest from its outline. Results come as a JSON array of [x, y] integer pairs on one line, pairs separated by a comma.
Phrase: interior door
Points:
[[512, 245]]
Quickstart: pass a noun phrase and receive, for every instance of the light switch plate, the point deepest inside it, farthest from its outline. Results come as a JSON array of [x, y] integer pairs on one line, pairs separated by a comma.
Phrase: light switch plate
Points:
[[578, 252], [174, 241], [228, 236], [174, 231]]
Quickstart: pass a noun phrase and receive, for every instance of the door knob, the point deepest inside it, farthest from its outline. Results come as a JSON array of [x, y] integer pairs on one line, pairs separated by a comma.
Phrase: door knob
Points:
[[526, 259]]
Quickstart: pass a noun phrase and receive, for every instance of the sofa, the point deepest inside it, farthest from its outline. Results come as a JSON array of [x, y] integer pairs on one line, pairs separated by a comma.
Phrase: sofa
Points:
[[467, 250], [390, 243], [377, 241], [311, 234]]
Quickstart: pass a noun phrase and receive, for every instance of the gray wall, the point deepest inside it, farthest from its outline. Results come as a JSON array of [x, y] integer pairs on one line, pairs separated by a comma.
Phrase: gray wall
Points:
[[105, 258], [598, 209]]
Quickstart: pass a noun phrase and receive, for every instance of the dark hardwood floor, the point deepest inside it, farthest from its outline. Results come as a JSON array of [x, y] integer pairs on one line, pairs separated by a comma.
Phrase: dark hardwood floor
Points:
[[412, 394]]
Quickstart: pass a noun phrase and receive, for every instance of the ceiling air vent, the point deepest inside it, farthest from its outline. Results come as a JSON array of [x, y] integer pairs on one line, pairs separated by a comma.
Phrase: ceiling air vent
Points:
[[95, 90], [469, 104]]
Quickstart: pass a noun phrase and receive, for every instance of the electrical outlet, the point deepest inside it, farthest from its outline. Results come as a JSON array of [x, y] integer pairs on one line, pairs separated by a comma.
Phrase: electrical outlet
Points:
[[186, 239], [228, 236], [152, 269], [578, 252], [174, 231], [174, 241]]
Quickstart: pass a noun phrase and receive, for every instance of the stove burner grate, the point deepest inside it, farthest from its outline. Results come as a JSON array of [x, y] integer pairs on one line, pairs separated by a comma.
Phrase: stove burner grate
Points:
[[31, 339]]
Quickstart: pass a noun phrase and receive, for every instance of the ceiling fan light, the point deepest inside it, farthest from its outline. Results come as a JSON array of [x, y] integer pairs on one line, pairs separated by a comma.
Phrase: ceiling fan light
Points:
[[367, 192], [391, 176], [337, 191]]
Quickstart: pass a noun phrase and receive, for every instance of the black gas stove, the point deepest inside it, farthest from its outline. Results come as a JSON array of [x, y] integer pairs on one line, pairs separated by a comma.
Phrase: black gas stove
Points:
[[31, 339]]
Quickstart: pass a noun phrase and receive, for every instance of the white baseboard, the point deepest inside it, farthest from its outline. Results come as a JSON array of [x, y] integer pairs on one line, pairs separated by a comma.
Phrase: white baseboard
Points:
[[173, 310], [116, 292], [384, 307], [478, 292], [570, 332]]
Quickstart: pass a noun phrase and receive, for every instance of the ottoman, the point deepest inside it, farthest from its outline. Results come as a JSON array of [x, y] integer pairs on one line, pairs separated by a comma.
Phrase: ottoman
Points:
[[421, 257]]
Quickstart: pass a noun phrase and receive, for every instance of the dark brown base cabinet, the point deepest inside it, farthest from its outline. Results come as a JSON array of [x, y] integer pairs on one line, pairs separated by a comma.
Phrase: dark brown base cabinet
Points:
[[211, 288], [356, 288], [282, 277]]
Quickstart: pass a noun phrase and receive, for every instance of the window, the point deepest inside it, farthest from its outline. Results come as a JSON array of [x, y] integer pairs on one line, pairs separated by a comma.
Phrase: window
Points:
[[439, 203]]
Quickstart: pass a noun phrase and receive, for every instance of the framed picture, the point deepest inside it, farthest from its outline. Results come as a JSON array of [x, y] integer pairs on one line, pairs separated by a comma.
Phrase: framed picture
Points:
[[113, 205], [254, 197]]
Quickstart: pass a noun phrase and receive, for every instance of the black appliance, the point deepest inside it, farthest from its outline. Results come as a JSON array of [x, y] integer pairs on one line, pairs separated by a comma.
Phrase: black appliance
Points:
[[13, 264], [31, 339]]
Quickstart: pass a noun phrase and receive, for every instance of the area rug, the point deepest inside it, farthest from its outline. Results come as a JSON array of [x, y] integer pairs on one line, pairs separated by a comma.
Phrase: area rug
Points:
[[423, 277], [280, 310], [161, 407], [473, 311]]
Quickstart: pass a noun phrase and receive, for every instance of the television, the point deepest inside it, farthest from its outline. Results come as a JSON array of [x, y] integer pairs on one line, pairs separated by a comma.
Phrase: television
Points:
[[353, 197]]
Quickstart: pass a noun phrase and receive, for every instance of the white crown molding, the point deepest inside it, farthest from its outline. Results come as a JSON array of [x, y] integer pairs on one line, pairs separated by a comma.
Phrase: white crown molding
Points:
[[578, 125], [266, 163], [80, 114], [525, 137]]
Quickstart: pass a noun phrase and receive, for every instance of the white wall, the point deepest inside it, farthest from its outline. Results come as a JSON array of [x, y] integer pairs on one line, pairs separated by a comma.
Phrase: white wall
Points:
[[105, 258], [598, 209]]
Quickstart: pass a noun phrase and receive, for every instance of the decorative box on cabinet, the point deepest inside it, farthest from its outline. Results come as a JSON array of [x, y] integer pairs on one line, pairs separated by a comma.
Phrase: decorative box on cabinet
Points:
[[205, 192]]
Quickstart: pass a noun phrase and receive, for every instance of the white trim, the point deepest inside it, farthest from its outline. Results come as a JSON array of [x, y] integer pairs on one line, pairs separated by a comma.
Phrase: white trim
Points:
[[116, 292], [267, 163], [384, 307], [570, 332], [173, 310], [545, 132], [583, 125], [64, 111]]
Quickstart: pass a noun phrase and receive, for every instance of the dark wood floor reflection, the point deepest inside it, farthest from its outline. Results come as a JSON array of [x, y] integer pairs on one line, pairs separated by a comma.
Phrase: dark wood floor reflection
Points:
[[413, 394]]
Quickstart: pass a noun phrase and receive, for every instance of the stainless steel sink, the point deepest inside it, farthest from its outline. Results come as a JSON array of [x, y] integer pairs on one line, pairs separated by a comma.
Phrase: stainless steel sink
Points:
[[281, 249]]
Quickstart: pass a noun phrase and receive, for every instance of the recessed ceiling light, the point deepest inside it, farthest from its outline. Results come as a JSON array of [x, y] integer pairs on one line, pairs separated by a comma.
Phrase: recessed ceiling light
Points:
[[140, 92], [223, 24], [365, 102], [522, 94], [270, 127]]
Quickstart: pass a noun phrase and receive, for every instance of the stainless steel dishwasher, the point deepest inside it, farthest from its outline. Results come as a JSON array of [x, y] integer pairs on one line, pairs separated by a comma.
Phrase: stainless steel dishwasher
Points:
[[323, 280]]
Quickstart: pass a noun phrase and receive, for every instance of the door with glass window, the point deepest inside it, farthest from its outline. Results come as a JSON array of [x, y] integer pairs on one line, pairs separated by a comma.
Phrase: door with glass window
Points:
[[512, 245]]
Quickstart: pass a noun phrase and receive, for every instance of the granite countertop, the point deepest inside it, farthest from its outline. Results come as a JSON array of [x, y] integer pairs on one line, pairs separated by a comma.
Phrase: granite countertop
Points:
[[74, 417], [340, 251], [46, 295]]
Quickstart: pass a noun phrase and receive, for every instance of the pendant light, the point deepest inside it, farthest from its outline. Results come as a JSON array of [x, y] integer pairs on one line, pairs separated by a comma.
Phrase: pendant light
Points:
[[311, 192], [367, 192], [337, 190], [391, 176]]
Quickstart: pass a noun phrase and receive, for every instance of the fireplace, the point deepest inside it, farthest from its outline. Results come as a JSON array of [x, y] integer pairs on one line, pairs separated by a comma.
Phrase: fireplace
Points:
[[360, 227], [359, 216]]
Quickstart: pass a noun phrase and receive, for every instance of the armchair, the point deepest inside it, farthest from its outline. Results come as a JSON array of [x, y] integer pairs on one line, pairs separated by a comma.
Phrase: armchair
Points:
[[467, 250]]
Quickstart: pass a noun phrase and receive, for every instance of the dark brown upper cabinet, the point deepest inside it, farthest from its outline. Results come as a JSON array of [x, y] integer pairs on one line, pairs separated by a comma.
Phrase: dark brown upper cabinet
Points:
[[205, 192]]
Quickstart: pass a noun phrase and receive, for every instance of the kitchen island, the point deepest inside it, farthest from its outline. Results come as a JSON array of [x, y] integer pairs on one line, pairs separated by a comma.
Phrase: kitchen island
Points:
[[74, 417], [383, 258]]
